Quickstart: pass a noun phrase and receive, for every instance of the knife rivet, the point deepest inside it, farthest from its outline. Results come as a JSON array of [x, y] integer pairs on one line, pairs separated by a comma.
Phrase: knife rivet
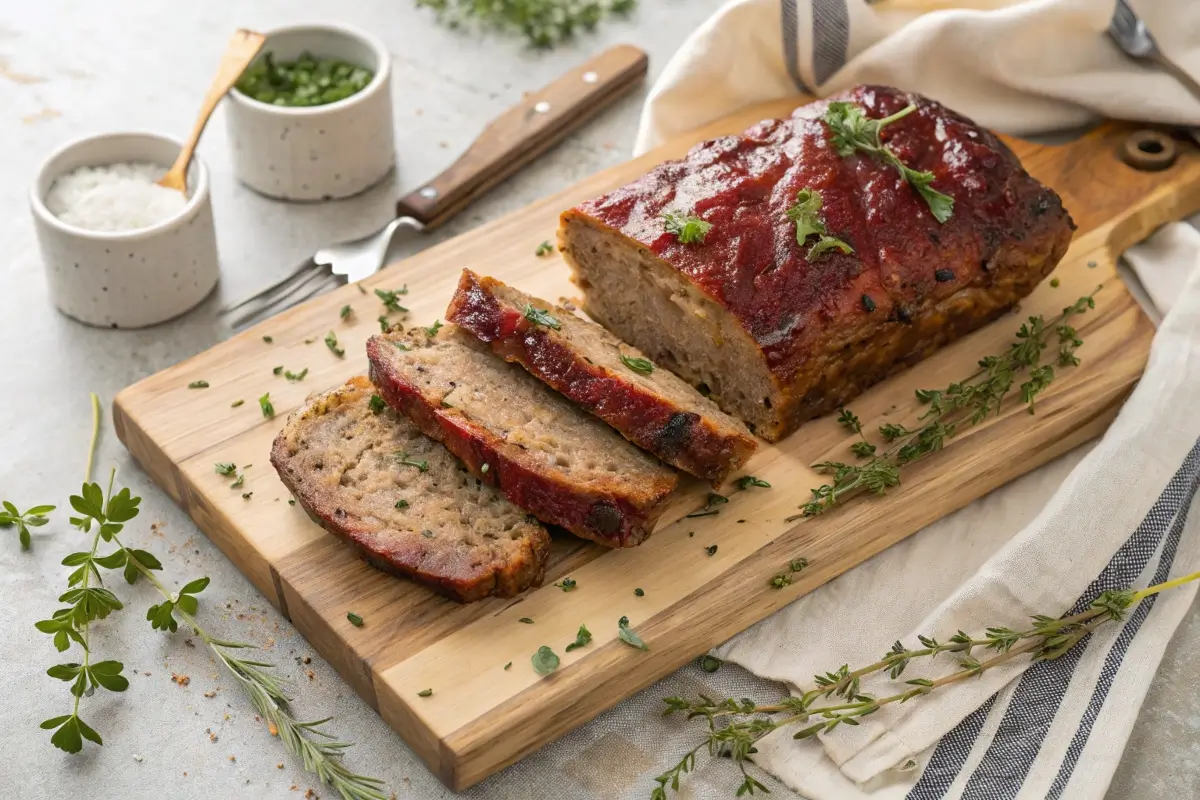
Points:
[[590, 77], [542, 107], [429, 192]]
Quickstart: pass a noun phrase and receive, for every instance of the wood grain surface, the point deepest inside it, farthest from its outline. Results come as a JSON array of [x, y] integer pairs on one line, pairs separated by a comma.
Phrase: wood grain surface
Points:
[[482, 717]]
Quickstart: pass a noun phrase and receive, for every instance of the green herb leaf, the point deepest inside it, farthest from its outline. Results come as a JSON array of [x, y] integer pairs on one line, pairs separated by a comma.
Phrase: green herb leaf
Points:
[[545, 248], [264, 403], [544, 661], [401, 503], [391, 299], [422, 465], [526, 620], [425, 693], [296, 376], [639, 592], [746, 481], [376, 404], [583, 637], [628, 635], [237, 403], [711, 549], [224, 467], [509, 664], [687, 228], [567, 584], [806, 214], [354, 619], [331, 341], [346, 312], [639, 365], [267, 339], [539, 317], [198, 385]]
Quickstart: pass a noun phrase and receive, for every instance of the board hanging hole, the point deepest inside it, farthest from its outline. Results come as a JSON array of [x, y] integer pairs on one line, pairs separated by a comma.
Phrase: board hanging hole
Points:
[[1148, 150]]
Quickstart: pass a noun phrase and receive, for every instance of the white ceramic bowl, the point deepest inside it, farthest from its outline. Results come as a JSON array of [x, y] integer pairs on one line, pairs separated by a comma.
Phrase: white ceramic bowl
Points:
[[317, 152], [127, 279]]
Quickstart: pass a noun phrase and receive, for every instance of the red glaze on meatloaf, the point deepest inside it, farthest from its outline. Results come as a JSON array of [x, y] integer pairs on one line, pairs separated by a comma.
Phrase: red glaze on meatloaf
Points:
[[1006, 232], [581, 360], [544, 454]]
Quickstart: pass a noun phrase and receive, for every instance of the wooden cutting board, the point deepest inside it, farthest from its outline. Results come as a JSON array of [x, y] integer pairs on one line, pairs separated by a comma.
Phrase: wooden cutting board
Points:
[[481, 716]]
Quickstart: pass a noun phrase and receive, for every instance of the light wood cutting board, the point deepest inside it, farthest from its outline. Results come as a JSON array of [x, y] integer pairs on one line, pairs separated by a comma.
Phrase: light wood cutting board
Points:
[[482, 717]]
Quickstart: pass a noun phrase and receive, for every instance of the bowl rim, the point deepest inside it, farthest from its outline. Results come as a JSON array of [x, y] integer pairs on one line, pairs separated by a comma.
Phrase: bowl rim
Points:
[[338, 29], [37, 200]]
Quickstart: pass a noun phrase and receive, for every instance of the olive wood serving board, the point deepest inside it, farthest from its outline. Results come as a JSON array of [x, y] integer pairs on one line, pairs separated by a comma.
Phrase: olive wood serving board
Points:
[[482, 717]]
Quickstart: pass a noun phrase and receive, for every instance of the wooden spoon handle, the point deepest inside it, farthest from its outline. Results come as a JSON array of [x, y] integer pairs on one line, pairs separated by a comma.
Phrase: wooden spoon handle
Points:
[[242, 49], [541, 120]]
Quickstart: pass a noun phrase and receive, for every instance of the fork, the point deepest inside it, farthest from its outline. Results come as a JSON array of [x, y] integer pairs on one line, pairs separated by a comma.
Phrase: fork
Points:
[[1135, 39], [509, 142]]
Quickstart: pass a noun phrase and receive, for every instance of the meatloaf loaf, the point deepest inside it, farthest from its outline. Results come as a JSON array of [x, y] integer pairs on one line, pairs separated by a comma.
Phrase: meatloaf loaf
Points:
[[369, 477], [717, 267], [546, 455], [646, 404]]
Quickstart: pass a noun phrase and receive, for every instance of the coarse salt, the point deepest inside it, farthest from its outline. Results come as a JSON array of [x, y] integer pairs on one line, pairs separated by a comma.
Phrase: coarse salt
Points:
[[114, 197]]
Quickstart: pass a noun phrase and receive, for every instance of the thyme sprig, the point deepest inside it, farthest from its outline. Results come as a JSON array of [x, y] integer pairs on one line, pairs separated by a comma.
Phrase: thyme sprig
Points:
[[837, 698], [950, 411]]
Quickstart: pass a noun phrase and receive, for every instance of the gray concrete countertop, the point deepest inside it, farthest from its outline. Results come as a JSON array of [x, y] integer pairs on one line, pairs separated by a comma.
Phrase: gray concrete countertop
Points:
[[70, 68]]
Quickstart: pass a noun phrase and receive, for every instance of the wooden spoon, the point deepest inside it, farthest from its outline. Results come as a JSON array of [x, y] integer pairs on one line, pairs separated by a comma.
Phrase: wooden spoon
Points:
[[242, 49]]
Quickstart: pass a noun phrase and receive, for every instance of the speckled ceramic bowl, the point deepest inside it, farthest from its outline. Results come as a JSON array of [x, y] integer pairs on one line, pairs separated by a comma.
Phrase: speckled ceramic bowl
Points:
[[127, 279], [317, 152]]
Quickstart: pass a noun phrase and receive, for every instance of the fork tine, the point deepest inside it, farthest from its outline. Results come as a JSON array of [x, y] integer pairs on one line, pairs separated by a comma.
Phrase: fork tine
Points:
[[286, 301], [279, 294], [303, 273]]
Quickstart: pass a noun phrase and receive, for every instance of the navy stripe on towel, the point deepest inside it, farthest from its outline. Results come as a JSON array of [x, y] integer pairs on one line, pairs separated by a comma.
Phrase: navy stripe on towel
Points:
[[951, 753], [791, 44], [831, 37]]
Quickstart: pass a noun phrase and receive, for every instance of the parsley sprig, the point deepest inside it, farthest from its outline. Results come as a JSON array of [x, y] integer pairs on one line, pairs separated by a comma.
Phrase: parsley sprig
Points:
[[950, 411], [687, 228], [837, 697], [32, 518], [854, 130], [806, 214]]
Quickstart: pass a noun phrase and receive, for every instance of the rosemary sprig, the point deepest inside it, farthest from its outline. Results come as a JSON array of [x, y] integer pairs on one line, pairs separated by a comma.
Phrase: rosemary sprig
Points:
[[950, 411], [734, 726]]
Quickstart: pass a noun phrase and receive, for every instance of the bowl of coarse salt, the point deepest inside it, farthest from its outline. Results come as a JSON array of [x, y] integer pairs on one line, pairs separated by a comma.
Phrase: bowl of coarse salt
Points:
[[119, 250]]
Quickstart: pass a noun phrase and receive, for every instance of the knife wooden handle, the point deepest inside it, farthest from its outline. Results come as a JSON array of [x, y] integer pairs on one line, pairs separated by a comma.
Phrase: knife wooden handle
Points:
[[541, 120]]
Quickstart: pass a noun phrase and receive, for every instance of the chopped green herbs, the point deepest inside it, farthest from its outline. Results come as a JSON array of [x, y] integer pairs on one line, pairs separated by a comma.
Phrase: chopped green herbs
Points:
[[806, 214], [355, 619], [1054, 283], [401, 503], [433, 329], [508, 665], [543, 249], [264, 403], [425, 693], [544, 661], [687, 228], [785, 578], [526, 620], [198, 385], [224, 468], [237, 484], [305, 81], [583, 637], [237, 403], [710, 506], [295, 376], [853, 130], [544, 24], [639, 592], [746, 481], [539, 317], [278, 370], [423, 466], [376, 404], [268, 339], [332, 343], [428, 534], [247, 495], [711, 549], [384, 323], [346, 312], [628, 635], [402, 346], [390, 299], [567, 584], [642, 366]]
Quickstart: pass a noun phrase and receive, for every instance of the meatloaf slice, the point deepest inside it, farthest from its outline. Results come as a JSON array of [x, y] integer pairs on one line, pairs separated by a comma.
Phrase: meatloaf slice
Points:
[[369, 477], [547, 456], [646, 404], [780, 332]]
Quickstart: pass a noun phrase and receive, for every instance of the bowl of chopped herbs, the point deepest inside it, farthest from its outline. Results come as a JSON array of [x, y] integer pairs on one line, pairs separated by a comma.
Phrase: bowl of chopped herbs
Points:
[[311, 117]]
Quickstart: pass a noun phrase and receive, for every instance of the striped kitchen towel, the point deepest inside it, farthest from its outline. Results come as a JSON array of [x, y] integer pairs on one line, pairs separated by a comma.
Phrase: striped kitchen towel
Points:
[[1124, 516]]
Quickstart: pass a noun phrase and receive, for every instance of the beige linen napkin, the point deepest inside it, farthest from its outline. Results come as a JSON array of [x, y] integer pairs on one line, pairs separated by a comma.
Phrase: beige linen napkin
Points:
[[1120, 518]]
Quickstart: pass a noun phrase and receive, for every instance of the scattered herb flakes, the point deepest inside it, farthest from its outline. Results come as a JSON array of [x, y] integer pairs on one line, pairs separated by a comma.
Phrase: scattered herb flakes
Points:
[[422, 465], [278, 370], [291, 501], [567, 584], [687, 228], [711, 549], [583, 637], [237, 403], [247, 495], [310, 341], [710, 664], [264, 403], [1092, 265], [526, 620], [346, 313], [355, 619], [781, 580], [361, 289], [428, 534], [401, 503], [376, 404], [1054, 283], [268, 339], [198, 385], [390, 299], [433, 329], [384, 323], [224, 468], [710, 506], [332, 343], [508, 665], [402, 346], [544, 249], [628, 635], [295, 376], [797, 564], [539, 317], [425, 693], [639, 592], [241, 480], [642, 366], [746, 481], [544, 661]]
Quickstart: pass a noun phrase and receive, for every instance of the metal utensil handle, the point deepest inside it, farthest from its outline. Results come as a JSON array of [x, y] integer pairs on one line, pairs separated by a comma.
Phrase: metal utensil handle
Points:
[[541, 120]]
